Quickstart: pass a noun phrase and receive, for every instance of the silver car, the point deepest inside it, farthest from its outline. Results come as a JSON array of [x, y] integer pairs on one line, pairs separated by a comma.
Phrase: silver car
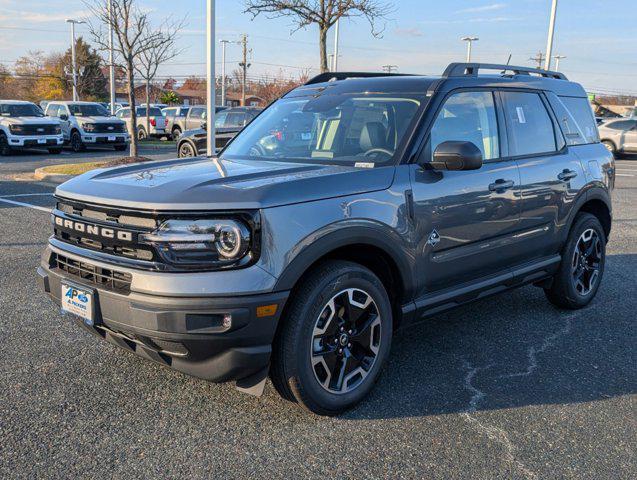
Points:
[[620, 136]]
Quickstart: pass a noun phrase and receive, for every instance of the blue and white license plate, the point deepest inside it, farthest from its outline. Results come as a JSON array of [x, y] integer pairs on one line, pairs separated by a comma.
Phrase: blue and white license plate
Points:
[[112, 139], [78, 301], [41, 141]]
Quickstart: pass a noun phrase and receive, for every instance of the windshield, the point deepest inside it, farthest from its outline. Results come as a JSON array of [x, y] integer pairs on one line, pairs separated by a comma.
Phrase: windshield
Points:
[[20, 110], [334, 129], [88, 110]]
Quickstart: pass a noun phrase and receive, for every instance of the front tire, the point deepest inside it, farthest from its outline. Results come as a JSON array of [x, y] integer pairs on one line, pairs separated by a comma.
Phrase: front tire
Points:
[[186, 150], [5, 149], [583, 260], [76, 142], [335, 337]]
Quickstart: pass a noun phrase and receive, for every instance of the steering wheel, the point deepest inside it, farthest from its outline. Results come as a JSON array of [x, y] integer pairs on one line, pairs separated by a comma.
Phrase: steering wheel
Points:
[[373, 151], [256, 150]]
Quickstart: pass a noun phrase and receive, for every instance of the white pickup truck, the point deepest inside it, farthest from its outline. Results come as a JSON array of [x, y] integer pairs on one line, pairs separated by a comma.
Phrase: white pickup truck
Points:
[[89, 124], [23, 125]]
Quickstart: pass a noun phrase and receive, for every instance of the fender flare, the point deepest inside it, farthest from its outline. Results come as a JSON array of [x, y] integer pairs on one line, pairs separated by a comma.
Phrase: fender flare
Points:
[[323, 242], [594, 192]]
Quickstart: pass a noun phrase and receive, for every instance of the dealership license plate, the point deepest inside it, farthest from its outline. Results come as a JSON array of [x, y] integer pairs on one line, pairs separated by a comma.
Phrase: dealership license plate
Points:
[[78, 301], [41, 140], [112, 139]]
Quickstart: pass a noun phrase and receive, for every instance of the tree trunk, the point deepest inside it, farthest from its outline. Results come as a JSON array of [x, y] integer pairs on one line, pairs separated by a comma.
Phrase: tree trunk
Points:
[[323, 48], [147, 109], [133, 107]]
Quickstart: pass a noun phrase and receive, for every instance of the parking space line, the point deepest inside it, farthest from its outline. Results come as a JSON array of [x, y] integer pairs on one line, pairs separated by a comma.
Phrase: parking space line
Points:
[[623, 175], [28, 205]]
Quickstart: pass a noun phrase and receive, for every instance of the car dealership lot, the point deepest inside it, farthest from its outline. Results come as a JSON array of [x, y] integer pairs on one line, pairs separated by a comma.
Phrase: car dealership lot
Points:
[[506, 387]]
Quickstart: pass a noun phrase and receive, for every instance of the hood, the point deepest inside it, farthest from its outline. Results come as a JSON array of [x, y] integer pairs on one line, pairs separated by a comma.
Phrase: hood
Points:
[[30, 120], [212, 184]]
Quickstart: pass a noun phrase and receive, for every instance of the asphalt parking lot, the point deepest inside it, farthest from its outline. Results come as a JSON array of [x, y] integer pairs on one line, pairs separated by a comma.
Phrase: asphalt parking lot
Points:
[[508, 387]]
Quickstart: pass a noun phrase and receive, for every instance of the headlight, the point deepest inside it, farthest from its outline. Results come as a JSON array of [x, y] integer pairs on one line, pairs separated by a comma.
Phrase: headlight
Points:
[[88, 127], [17, 129], [214, 243]]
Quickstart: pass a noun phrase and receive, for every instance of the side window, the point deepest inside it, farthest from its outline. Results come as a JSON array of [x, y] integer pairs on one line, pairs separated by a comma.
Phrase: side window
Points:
[[581, 111], [235, 119], [468, 117], [624, 125], [220, 119], [529, 125], [52, 110]]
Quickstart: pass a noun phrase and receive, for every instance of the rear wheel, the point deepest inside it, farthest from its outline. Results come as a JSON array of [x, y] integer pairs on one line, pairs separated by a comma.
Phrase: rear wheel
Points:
[[76, 142], [176, 133], [583, 259], [334, 340], [5, 149], [141, 134], [186, 150]]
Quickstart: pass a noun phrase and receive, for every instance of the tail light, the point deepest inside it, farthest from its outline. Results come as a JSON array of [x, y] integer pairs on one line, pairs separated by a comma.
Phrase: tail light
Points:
[[153, 122]]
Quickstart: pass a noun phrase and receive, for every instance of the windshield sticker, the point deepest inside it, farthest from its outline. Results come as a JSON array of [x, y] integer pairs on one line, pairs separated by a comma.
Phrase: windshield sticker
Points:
[[521, 117], [364, 165]]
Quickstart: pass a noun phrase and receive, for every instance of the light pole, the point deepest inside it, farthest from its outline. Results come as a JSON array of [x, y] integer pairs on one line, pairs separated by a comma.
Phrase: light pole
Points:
[[111, 56], [549, 42], [469, 41], [557, 61], [335, 66], [223, 69], [210, 74], [73, 59]]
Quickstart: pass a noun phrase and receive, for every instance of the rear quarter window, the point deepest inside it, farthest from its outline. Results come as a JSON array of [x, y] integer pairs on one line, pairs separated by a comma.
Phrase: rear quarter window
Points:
[[581, 114]]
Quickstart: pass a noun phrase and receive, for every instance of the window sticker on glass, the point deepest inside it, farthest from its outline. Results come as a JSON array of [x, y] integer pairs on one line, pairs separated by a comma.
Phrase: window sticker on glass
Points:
[[521, 117]]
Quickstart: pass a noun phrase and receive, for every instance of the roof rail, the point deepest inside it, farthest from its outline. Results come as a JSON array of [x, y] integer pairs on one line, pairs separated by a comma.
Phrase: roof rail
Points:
[[472, 69], [332, 76]]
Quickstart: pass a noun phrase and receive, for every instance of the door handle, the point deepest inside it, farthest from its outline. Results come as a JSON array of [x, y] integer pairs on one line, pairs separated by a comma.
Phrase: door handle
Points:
[[500, 185], [567, 174]]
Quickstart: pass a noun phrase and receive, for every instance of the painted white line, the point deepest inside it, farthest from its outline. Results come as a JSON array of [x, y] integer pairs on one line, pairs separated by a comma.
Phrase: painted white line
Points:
[[28, 205], [623, 175], [627, 169], [27, 195]]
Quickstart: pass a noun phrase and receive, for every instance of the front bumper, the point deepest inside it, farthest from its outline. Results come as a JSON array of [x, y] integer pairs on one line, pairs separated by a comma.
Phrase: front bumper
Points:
[[26, 141], [106, 139], [185, 333]]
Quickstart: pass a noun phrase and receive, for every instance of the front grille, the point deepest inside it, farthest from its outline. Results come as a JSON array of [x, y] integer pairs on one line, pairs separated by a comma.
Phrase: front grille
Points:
[[37, 130], [109, 128], [104, 278]]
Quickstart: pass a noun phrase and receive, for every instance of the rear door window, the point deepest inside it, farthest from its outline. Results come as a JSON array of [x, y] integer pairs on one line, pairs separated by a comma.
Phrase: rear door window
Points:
[[530, 127]]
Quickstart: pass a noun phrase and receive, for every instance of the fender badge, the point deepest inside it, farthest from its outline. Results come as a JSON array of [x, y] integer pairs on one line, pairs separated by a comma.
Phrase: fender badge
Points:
[[434, 238]]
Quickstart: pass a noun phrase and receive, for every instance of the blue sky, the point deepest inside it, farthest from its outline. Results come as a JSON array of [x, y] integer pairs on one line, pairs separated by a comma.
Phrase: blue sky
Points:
[[599, 37]]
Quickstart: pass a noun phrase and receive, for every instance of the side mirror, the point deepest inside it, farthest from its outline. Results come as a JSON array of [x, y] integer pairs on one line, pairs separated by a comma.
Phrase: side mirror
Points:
[[454, 155], [64, 117], [204, 125]]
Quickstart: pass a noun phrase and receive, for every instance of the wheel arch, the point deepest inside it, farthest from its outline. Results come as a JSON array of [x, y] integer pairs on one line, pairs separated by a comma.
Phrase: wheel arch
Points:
[[597, 202]]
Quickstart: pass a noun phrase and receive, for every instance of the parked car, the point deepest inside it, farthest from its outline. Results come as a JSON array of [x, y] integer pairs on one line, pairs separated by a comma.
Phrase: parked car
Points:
[[385, 200], [23, 125], [156, 120], [181, 119], [619, 135], [228, 123], [89, 124]]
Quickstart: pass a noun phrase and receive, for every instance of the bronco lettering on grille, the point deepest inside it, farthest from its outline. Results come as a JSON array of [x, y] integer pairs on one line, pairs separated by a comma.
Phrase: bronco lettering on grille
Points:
[[95, 230]]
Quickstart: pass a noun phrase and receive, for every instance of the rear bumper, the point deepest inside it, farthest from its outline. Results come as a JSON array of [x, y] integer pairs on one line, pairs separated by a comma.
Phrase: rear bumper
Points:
[[185, 333]]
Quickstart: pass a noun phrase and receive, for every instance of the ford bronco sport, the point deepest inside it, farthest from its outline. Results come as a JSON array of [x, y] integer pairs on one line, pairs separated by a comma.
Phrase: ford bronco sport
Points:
[[355, 205]]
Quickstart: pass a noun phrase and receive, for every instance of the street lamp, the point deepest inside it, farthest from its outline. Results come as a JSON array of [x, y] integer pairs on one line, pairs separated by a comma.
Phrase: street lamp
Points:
[[111, 56], [469, 41], [210, 77], [73, 59], [223, 69], [335, 60], [557, 61], [549, 42]]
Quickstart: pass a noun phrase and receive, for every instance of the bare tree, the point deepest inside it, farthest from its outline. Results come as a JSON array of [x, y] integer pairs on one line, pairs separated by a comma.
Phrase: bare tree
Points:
[[133, 36], [159, 52], [323, 13]]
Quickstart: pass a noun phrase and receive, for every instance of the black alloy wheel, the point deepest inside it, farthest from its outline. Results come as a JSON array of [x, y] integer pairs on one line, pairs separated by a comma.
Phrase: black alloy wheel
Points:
[[586, 262], [186, 150]]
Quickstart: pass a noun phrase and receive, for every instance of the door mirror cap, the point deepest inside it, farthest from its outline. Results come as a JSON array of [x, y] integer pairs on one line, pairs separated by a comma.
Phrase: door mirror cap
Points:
[[64, 117], [454, 155]]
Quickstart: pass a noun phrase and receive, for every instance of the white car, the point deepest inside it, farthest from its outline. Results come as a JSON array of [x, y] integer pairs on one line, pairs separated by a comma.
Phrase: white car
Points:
[[155, 127], [89, 124], [23, 125]]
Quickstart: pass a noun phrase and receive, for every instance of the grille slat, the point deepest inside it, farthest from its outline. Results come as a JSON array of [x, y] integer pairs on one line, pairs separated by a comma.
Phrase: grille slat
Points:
[[104, 278], [109, 128], [37, 130]]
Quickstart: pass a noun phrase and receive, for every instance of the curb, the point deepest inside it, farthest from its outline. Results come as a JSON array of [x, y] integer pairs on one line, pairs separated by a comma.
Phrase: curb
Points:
[[40, 175]]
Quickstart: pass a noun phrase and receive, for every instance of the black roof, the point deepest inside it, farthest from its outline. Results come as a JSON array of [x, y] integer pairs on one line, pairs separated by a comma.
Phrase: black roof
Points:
[[456, 75]]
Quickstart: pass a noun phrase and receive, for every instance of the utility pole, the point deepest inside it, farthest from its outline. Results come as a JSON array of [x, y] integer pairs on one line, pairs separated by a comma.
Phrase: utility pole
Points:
[[390, 68], [549, 42], [539, 58], [73, 59], [111, 59], [557, 61], [244, 65], [210, 74], [469, 41], [336, 31]]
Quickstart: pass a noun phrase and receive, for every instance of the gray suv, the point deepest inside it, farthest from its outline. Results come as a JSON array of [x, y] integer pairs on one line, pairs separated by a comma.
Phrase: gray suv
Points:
[[356, 205]]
